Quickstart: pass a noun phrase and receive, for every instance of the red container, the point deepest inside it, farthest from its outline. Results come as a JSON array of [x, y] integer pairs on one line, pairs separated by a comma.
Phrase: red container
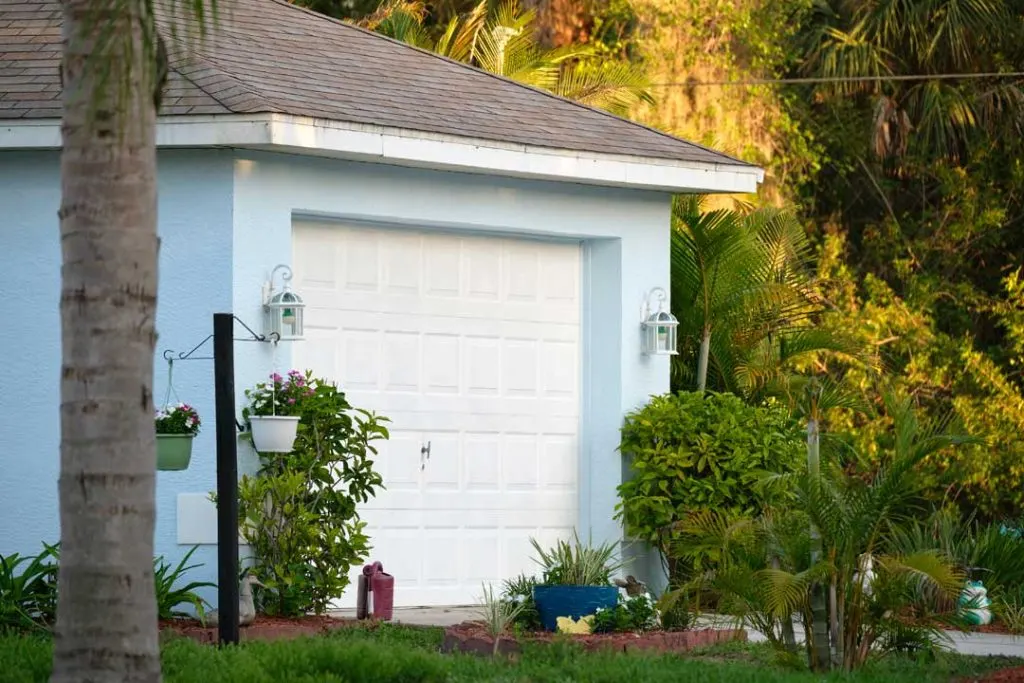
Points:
[[382, 588]]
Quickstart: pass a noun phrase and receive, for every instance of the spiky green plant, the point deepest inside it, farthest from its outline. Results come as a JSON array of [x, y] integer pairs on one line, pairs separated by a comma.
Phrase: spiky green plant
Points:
[[577, 564], [498, 614]]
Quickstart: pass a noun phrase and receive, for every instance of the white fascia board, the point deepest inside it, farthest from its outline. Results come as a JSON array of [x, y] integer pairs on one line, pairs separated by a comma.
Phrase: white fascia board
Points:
[[318, 137]]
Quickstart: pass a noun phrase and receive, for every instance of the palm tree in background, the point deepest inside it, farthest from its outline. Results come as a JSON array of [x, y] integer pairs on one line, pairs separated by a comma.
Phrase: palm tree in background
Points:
[[745, 296], [500, 39], [807, 558], [858, 38], [113, 70]]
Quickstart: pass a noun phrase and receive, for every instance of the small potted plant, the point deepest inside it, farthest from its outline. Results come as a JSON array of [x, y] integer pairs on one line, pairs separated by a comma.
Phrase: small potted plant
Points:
[[576, 581], [274, 411], [176, 427]]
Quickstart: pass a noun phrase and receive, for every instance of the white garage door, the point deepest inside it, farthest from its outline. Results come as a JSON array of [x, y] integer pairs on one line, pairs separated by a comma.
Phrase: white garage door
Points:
[[470, 345]]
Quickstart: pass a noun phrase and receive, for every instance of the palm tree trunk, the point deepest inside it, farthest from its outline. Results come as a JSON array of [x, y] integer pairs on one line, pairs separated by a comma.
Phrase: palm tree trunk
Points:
[[833, 613], [819, 607], [702, 360], [788, 634], [106, 615]]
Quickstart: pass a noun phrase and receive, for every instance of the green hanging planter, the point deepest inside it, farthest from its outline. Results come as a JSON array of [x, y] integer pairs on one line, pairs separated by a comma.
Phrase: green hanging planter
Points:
[[173, 451]]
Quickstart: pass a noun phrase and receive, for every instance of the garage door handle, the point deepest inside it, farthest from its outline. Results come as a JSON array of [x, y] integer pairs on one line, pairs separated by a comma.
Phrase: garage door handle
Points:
[[424, 456]]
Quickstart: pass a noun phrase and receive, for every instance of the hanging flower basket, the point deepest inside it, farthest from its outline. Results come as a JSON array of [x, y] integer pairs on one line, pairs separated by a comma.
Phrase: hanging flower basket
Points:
[[176, 429], [274, 433], [274, 411], [173, 451]]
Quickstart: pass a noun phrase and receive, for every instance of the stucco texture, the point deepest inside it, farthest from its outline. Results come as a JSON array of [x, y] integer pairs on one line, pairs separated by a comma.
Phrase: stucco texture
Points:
[[225, 221]]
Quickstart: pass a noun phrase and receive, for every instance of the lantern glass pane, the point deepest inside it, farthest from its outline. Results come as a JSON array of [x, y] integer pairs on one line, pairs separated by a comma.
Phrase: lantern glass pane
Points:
[[271, 322], [662, 344], [291, 323]]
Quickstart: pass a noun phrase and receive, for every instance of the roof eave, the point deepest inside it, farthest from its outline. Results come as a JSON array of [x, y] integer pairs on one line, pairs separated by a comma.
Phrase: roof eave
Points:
[[402, 147]]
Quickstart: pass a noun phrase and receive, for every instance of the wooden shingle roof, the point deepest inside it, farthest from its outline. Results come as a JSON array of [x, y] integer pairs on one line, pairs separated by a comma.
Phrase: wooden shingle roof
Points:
[[270, 56]]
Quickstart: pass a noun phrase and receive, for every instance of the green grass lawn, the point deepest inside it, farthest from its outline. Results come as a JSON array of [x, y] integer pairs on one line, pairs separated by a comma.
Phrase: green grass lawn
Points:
[[408, 655]]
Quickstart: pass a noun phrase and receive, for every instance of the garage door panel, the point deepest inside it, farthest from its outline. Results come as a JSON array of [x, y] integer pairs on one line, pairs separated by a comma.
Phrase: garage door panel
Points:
[[392, 311], [473, 345], [510, 500], [551, 415]]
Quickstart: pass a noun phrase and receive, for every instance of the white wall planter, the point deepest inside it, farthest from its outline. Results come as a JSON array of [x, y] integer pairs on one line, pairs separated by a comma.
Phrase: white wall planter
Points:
[[274, 433]]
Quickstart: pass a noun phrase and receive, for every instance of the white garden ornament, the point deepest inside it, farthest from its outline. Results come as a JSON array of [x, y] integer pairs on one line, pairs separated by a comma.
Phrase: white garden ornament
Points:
[[975, 603]]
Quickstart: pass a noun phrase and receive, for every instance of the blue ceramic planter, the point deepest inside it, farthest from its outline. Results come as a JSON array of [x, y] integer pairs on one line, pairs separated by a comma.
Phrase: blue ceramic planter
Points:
[[571, 601]]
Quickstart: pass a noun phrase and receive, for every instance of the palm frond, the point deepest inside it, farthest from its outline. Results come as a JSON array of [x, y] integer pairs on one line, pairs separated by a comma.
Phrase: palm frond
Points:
[[614, 86]]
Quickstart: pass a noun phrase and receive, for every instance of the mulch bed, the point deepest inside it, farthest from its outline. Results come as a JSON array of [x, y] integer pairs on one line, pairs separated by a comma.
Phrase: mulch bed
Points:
[[1014, 675], [264, 628], [472, 637], [994, 627]]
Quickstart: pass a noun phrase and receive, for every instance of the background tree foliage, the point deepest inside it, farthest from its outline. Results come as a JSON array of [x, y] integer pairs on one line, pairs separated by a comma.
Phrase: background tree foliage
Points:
[[917, 212], [910, 191]]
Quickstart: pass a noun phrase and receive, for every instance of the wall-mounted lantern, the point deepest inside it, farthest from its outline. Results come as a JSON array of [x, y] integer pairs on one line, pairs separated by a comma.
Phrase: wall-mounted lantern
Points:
[[659, 327], [282, 309]]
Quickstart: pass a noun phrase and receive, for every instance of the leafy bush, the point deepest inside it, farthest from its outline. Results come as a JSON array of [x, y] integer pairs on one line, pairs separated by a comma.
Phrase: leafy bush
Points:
[[637, 613], [576, 564], [169, 596], [991, 550], [691, 452], [299, 513], [28, 590], [518, 592], [1009, 608]]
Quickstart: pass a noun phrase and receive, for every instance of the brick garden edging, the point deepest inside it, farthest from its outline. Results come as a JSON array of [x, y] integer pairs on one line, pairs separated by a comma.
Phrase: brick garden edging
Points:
[[264, 628], [472, 637]]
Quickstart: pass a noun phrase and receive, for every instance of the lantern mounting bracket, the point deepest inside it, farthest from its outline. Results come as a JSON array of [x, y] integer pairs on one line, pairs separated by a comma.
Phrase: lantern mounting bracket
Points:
[[268, 286], [645, 309]]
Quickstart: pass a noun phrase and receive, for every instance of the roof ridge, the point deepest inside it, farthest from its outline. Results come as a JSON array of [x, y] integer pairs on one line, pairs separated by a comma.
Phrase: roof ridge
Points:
[[510, 81]]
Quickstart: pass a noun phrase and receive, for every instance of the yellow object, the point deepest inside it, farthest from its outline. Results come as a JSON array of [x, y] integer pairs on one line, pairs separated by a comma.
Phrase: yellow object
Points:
[[569, 625]]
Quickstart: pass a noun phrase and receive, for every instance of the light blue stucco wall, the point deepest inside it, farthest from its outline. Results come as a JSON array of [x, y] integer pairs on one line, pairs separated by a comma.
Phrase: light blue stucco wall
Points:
[[225, 221], [195, 218]]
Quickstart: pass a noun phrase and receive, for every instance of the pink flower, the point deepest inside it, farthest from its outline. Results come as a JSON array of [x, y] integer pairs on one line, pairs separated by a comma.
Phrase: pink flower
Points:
[[291, 400]]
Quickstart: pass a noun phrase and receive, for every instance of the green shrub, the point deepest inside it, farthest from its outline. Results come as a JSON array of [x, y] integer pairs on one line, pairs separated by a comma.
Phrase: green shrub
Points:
[[1009, 608], [691, 452], [635, 614], [28, 590], [299, 514], [518, 592], [993, 551], [169, 595]]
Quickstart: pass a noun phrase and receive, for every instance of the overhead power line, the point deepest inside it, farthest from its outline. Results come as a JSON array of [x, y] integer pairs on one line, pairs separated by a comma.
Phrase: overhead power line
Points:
[[843, 79]]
